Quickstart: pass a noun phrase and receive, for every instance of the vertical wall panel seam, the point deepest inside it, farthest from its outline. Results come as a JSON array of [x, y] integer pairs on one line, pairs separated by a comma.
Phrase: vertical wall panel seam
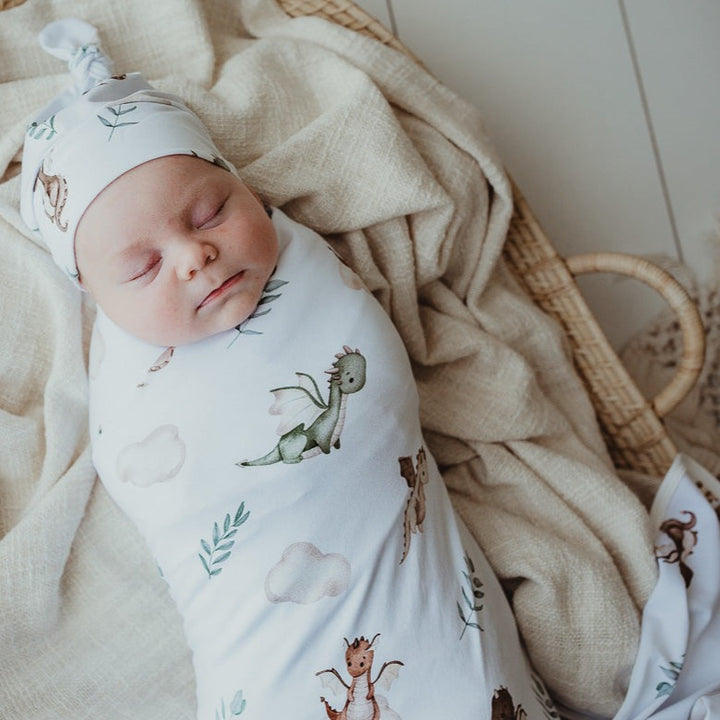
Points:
[[391, 17], [651, 129]]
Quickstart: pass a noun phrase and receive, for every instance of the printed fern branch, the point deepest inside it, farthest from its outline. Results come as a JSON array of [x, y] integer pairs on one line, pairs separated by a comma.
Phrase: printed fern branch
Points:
[[266, 298], [37, 130], [117, 112], [220, 549], [672, 673], [543, 697], [469, 596], [237, 707]]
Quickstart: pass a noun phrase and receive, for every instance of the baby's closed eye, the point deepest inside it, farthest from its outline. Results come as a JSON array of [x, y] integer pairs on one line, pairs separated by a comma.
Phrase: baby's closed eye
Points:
[[212, 218], [144, 268]]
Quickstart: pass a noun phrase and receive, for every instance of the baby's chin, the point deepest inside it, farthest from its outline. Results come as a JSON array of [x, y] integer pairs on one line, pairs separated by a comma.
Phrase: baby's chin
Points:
[[191, 335]]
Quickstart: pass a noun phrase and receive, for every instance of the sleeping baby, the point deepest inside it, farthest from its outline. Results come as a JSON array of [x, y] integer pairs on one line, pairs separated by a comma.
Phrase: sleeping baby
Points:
[[253, 411]]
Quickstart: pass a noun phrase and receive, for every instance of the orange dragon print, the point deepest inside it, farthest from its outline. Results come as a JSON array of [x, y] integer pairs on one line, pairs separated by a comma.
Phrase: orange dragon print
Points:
[[360, 703], [683, 539], [54, 196]]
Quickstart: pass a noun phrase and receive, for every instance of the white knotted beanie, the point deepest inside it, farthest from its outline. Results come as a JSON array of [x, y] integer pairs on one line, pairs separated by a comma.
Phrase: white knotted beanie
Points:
[[92, 133]]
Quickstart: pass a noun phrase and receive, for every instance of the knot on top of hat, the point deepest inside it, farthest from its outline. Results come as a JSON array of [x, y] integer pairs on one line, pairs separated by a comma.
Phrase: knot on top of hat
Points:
[[77, 42]]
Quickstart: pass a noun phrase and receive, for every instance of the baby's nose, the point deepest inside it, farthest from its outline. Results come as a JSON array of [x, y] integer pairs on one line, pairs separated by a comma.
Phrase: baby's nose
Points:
[[194, 256]]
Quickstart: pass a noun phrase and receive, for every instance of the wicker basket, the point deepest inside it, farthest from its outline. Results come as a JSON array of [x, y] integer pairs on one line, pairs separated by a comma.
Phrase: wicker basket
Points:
[[631, 424]]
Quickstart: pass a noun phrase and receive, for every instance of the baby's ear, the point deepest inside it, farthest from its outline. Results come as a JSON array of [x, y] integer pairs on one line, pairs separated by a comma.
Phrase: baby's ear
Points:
[[254, 192], [265, 206]]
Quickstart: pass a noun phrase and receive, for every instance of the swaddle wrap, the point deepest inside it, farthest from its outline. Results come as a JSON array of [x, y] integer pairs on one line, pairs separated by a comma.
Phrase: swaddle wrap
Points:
[[96, 130], [279, 475]]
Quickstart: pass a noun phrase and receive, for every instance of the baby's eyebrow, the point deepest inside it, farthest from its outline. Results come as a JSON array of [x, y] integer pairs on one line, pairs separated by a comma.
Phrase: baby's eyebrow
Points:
[[134, 248]]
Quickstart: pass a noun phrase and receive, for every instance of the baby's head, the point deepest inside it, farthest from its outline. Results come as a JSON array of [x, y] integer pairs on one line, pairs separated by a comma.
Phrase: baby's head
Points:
[[129, 192]]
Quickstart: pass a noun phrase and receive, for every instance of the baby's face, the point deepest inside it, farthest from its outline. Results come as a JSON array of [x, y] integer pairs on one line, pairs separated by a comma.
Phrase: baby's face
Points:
[[176, 250]]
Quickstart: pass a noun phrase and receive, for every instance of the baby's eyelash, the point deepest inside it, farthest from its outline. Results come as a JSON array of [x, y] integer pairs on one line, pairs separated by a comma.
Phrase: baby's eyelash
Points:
[[214, 214], [146, 269]]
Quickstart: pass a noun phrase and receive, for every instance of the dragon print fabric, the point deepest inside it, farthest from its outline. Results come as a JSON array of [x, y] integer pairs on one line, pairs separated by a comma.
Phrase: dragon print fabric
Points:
[[676, 673], [283, 485]]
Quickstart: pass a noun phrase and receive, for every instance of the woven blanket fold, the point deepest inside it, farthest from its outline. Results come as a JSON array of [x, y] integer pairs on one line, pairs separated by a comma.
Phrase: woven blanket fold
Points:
[[360, 143]]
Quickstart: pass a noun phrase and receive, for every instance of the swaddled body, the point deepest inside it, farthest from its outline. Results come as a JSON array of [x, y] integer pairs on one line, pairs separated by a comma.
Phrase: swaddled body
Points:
[[279, 475], [253, 410]]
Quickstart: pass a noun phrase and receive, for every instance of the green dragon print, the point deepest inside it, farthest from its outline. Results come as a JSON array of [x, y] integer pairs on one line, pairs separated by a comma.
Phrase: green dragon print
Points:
[[347, 376]]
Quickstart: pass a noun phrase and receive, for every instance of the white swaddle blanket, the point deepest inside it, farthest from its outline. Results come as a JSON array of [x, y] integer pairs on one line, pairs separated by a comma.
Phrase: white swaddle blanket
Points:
[[291, 541]]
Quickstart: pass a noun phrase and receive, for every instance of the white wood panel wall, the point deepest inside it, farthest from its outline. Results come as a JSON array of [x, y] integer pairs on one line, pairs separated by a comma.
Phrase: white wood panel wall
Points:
[[605, 113]]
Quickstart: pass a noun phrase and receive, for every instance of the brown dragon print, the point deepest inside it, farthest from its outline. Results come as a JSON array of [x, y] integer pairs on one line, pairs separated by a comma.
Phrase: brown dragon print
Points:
[[683, 540], [416, 477], [54, 197], [360, 703]]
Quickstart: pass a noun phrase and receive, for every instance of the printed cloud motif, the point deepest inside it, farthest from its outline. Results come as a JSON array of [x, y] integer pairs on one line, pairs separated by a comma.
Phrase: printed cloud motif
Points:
[[305, 575], [157, 458]]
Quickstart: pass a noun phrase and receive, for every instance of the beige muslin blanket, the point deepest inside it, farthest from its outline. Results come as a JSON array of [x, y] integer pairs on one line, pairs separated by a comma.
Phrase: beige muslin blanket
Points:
[[358, 142]]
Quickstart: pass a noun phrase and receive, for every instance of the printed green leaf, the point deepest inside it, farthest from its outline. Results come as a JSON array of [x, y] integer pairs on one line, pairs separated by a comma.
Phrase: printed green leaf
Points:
[[241, 516], [237, 706], [37, 130], [468, 602], [116, 111], [270, 286], [468, 593], [222, 543], [273, 285], [259, 313], [268, 299], [541, 693], [673, 673]]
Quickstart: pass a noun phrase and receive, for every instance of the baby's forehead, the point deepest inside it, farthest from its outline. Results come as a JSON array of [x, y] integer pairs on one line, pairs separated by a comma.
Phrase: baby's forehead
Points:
[[122, 219], [171, 182]]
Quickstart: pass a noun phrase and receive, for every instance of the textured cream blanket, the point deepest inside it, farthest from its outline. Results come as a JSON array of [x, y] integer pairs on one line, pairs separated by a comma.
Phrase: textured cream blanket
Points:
[[361, 144]]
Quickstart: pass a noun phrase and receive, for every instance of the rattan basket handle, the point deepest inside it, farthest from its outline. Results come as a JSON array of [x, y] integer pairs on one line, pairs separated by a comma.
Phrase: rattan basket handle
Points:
[[674, 293]]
